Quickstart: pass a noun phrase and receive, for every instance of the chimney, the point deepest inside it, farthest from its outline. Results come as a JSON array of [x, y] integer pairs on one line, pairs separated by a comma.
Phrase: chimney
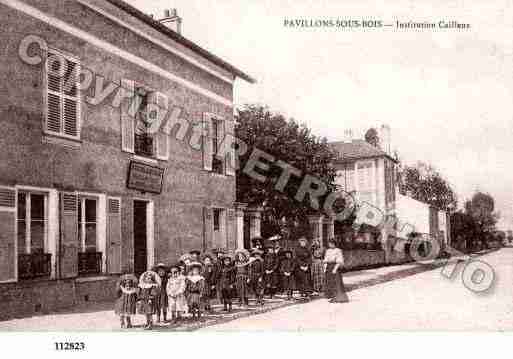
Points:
[[172, 21], [385, 139], [348, 135]]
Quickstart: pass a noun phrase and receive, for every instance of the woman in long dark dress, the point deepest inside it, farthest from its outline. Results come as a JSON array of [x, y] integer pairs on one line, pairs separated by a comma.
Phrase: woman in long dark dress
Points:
[[333, 262]]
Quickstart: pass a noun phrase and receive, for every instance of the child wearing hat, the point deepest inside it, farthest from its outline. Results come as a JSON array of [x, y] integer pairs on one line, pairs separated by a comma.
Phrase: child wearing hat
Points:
[[218, 266], [210, 281], [287, 271], [127, 298], [194, 289], [149, 289], [161, 301], [241, 276], [317, 271], [226, 282], [271, 267], [175, 289], [256, 275]]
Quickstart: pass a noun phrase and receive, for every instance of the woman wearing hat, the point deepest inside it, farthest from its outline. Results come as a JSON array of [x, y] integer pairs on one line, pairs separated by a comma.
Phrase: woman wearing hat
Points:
[[271, 268], [195, 288], [149, 289], [333, 263]]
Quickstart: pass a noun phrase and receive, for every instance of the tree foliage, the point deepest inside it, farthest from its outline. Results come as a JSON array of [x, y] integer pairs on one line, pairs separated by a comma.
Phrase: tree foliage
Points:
[[475, 224], [372, 137], [423, 183], [293, 144]]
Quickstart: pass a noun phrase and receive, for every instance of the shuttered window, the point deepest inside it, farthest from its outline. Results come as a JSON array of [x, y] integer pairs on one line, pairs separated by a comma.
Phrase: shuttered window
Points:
[[63, 95]]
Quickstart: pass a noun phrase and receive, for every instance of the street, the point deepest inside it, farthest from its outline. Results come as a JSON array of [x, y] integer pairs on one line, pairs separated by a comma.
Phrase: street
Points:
[[426, 301]]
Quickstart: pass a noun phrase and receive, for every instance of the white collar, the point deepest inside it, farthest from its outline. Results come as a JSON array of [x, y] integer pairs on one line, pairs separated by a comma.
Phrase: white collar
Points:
[[195, 278]]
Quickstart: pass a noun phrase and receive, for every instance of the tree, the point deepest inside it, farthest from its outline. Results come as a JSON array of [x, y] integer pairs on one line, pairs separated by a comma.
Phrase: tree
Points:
[[293, 144], [475, 224], [372, 137], [423, 183]]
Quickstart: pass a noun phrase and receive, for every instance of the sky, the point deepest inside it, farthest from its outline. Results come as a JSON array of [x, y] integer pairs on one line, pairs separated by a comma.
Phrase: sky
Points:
[[446, 94]]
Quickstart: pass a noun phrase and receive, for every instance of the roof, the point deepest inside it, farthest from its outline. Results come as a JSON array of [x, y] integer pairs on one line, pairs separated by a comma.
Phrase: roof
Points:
[[358, 149], [181, 39]]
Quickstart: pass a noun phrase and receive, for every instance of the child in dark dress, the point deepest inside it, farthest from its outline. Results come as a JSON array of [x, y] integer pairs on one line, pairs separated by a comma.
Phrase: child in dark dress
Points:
[[127, 299], [287, 271], [271, 268], [242, 276], [149, 289], [210, 281], [256, 275]]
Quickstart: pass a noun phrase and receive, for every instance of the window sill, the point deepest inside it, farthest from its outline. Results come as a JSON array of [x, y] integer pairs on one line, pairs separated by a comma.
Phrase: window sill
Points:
[[215, 174], [92, 278], [61, 141], [150, 160]]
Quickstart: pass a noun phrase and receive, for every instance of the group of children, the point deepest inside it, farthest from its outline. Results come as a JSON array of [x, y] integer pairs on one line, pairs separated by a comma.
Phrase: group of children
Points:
[[192, 284]]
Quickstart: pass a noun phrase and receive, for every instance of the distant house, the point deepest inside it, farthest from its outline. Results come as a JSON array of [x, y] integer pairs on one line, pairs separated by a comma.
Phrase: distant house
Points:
[[368, 172]]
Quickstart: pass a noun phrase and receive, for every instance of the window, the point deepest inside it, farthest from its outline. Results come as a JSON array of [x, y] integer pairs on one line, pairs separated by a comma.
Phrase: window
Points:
[[89, 258], [87, 208], [219, 235], [32, 227], [143, 138], [217, 163], [62, 96], [217, 219]]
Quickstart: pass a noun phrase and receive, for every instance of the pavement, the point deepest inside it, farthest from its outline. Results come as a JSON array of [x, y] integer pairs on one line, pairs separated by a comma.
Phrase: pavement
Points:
[[401, 297]]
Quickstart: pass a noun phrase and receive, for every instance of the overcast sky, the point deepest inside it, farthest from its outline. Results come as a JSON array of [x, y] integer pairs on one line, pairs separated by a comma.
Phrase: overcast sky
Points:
[[446, 94]]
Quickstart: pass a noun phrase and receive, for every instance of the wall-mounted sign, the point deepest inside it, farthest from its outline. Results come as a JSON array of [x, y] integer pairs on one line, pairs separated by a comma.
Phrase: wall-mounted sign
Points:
[[145, 178]]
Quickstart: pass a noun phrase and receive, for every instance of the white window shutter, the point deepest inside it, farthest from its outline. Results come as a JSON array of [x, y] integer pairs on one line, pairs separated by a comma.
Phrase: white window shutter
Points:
[[8, 255], [62, 96], [161, 138], [127, 121], [71, 104], [229, 137], [207, 142]]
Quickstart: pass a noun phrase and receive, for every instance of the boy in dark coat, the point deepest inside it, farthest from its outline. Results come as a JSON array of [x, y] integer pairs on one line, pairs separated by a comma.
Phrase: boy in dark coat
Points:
[[256, 275], [218, 266], [303, 267], [287, 267], [161, 300], [226, 282]]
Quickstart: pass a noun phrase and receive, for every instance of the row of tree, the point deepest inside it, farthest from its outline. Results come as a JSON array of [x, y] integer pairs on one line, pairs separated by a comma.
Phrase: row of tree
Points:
[[296, 145]]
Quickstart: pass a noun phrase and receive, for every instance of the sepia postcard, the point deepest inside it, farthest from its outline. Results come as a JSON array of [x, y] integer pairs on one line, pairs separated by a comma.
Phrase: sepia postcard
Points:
[[255, 166]]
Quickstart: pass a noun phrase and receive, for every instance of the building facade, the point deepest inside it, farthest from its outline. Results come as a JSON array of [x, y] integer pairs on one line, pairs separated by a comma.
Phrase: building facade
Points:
[[88, 189], [369, 174]]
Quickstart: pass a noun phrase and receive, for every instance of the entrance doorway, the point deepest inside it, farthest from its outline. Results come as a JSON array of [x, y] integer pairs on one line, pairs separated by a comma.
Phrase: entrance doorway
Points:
[[140, 237]]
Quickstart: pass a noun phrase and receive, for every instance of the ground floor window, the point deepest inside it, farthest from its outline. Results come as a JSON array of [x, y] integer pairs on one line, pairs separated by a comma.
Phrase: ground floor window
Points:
[[89, 256], [32, 228], [219, 230]]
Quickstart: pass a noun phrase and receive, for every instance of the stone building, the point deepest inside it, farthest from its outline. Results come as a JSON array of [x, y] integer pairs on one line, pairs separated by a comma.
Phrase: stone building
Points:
[[87, 191]]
